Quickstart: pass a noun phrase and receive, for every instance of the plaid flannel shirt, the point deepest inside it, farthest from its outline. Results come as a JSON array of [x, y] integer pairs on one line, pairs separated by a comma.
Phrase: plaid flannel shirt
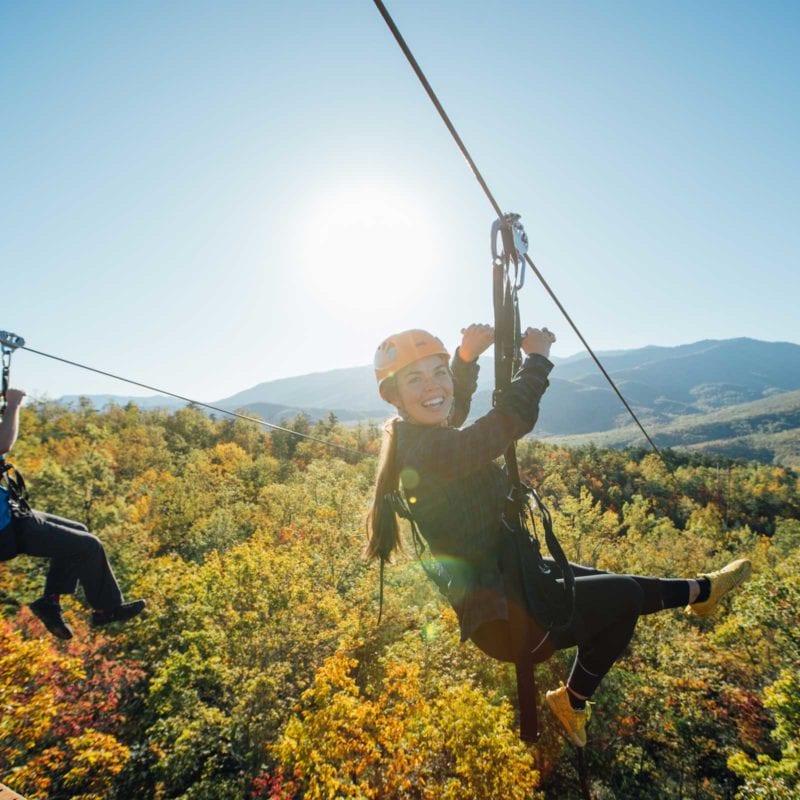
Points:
[[457, 493]]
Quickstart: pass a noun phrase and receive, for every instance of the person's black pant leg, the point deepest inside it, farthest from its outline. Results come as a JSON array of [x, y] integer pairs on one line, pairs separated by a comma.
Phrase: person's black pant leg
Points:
[[652, 593], [607, 607], [75, 555]]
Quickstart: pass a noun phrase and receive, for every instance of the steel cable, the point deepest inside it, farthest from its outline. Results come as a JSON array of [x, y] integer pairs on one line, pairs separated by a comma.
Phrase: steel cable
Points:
[[476, 172], [197, 402]]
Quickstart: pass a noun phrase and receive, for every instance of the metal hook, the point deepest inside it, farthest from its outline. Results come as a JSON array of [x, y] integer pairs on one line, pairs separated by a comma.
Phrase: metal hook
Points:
[[514, 245]]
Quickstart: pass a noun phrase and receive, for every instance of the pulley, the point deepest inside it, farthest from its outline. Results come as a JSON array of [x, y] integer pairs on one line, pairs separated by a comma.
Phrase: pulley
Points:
[[9, 342], [509, 244], [508, 229]]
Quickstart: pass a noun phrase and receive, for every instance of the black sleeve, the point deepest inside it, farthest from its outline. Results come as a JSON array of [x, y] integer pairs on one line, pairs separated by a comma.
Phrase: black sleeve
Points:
[[465, 382], [450, 453], [529, 384]]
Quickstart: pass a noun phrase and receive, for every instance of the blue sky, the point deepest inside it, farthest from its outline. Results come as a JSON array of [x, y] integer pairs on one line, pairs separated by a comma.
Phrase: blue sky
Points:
[[206, 195]]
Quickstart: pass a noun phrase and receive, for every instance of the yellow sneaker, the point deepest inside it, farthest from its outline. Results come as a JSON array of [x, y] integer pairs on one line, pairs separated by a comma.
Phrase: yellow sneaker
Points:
[[574, 720], [722, 582]]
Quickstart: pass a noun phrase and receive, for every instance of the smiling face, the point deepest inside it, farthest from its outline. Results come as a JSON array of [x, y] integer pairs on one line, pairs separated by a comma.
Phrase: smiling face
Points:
[[424, 391]]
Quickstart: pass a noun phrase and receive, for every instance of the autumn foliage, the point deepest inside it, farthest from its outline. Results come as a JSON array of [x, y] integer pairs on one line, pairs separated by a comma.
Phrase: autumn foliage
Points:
[[260, 672]]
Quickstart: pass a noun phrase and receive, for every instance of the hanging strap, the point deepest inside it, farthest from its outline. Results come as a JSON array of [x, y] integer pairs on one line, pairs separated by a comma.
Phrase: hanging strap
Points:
[[509, 248], [507, 360], [6, 372], [508, 238]]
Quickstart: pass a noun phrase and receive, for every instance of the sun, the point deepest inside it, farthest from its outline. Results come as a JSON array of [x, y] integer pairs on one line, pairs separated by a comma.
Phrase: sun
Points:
[[367, 242]]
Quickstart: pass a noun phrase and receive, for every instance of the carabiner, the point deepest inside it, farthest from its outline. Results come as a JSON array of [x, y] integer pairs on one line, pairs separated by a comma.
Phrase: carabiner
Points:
[[514, 245]]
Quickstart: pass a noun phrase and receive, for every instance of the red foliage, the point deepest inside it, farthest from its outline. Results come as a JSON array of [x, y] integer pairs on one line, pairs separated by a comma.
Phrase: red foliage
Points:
[[275, 786], [98, 700]]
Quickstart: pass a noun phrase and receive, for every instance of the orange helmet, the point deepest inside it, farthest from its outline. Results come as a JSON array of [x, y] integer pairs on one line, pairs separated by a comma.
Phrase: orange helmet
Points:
[[405, 348]]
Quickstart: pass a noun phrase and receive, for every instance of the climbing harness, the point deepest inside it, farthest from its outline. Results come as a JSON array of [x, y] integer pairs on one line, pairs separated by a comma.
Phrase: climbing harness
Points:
[[17, 490]]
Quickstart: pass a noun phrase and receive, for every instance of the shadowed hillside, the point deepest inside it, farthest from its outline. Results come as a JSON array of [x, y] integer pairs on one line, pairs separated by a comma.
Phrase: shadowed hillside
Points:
[[764, 430], [666, 386]]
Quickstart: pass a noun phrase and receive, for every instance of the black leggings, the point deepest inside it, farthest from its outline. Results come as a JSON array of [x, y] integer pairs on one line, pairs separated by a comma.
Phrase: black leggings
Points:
[[607, 607]]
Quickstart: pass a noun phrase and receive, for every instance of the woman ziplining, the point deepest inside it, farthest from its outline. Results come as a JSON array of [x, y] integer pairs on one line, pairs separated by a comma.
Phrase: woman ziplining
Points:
[[514, 604], [76, 556], [444, 478]]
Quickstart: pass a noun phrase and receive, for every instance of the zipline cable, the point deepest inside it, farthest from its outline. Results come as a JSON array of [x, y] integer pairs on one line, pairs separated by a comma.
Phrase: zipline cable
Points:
[[590, 351], [439, 107], [476, 172], [197, 402]]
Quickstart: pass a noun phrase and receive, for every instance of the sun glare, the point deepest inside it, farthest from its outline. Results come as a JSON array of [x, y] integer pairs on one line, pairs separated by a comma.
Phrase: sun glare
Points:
[[369, 244]]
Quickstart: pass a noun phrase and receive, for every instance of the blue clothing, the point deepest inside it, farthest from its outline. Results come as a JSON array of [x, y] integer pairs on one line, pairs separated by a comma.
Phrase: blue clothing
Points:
[[5, 509]]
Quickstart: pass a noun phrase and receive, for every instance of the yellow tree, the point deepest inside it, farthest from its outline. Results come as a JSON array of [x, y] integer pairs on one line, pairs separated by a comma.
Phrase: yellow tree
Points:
[[396, 742]]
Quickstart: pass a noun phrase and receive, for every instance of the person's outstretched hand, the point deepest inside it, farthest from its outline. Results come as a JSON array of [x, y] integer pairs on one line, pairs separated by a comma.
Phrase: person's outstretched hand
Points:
[[14, 397], [536, 340], [474, 341]]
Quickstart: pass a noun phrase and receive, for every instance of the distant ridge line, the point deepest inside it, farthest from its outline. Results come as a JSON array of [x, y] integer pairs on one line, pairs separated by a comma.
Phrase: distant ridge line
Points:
[[668, 385]]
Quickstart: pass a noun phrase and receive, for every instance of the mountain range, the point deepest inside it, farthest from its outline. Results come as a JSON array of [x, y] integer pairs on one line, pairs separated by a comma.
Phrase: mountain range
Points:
[[738, 397]]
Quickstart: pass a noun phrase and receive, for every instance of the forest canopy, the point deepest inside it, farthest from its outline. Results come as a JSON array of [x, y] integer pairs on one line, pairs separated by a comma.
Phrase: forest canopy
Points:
[[260, 670]]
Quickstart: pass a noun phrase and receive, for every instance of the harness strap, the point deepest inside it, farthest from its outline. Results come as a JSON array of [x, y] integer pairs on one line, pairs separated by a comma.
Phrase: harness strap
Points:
[[527, 699], [399, 505], [17, 489], [523, 648], [395, 503], [518, 517], [6, 372], [556, 551]]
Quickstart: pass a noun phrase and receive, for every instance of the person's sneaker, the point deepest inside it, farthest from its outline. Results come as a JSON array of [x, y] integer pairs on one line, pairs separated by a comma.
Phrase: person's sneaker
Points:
[[51, 616], [121, 613], [722, 581], [573, 719]]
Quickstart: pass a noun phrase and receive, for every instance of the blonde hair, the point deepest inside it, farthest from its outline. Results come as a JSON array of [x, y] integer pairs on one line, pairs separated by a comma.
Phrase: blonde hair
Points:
[[383, 531]]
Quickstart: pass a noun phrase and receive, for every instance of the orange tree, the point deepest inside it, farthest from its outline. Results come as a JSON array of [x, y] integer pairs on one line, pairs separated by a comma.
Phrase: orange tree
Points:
[[64, 713]]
